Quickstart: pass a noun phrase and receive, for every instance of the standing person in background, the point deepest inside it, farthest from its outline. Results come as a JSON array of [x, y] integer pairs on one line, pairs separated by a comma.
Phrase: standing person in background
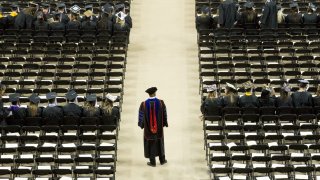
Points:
[[228, 14], [74, 23], [269, 18], [152, 118], [302, 97]]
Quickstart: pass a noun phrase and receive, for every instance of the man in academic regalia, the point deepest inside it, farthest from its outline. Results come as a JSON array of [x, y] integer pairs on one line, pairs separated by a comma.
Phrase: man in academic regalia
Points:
[[53, 114], [71, 108], [294, 18], [16, 113], [63, 16], [46, 10], [302, 97], [93, 18], [106, 21], [269, 15], [228, 13], [152, 118]]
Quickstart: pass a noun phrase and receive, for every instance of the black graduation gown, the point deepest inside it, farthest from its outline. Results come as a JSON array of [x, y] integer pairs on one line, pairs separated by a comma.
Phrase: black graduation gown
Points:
[[52, 115], [211, 107], [88, 25], [247, 23], [56, 26], [10, 22], [248, 101], [110, 118], [284, 102], [17, 117], [41, 26], [64, 18], [294, 20], [128, 20], [3, 113], [39, 112], [204, 22], [72, 109], [73, 25], [269, 16], [153, 142], [105, 24], [311, 18], [227, 14], [300, 99], [121, 27], [270, 102], [316, 101], [20, 21], [226, 101], [2, 23]]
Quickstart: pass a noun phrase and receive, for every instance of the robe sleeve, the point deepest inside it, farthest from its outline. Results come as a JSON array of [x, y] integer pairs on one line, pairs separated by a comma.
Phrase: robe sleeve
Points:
[[265, 15], [221, 19], [165, 117], [141, 116]]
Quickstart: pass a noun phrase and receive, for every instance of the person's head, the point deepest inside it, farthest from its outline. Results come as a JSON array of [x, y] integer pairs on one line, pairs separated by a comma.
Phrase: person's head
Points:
[[33, 105], [40, 16], [152, 91], [119, 7], [265, 94], [294, 7], [91, 100], [14, 8], [248, 6], [212, 91], [304, 84], [61, 7], [71, 96], [230, 89], [14, 98], [248, 86], [51, 97], [75, 10], [311, 8], [45, 8]]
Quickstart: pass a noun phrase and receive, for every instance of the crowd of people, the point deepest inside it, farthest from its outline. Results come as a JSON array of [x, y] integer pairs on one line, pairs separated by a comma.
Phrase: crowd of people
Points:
[[302, 98], [43, 17], [52, 114], [228, 16]]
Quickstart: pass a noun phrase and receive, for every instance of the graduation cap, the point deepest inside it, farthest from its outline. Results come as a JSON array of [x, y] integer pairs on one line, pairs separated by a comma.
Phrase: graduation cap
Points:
[[205, 9], [14, 6], [151, 90], [34, 99], [45, 5], [51, 95], [231, 86], [88, 7], [14, 97], [286, 87], [303, 81], [71, 95], [111, 97], [107, 8], [248, 4], [212, 88], [61, 5], [313, 7], [293, 5], [119, 6], [88, 13], [267, 87], [247, 85], [279, 7], [32, 4], [91, 98], [75, 9]]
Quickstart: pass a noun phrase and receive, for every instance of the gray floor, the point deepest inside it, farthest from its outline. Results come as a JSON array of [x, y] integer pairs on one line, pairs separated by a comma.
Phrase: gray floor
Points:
[[163, 53]]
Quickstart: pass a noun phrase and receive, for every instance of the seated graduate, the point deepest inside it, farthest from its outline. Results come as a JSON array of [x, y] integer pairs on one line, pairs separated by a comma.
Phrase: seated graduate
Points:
[[204, 19], [72, 108], [110, 113], [90, 109], [228, 14], [52, 114], [249, 99], [284, 100], [88, 23], [61, 9], [40, 23], [231, 98], [268, 18], [57, 24], [267, 98], [16, 113], [249, 18], [311, 18], [294, 17], [46, 11], [212, 104], [74, 23], [121, 22], [105, 23], [33, 110], [316, 99], [302, 97], [89, 8]]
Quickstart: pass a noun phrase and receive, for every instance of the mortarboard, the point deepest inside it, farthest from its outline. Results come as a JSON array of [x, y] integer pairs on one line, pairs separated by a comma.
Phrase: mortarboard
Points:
[[14, 6], [231, 86], [205, 9], [88, 13], [151, 90], [51, 95], [75, 9], [91, 97], [313, 7], [14, 97], [61, 5], [34, 99], [248, 4], [107, 8], [111, 97], [303, 81], [212, 88], [247, 85], [71, 95], [286, 88], [45, 5], [87, 7], [119, 6], [294, 5]]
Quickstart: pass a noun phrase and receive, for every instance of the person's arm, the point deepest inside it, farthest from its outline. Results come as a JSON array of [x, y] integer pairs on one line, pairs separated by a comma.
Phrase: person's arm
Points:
[[141, 116], [165, 117], [265, 14]]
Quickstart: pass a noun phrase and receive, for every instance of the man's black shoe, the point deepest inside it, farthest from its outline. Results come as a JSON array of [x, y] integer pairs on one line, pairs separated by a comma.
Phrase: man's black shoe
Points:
[[164, 162], [152, 165]]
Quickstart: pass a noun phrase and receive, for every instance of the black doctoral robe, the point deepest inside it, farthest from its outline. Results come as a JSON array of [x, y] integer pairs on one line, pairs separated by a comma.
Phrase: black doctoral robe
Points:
[[153, 132], [228, 14], [269, 15]]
